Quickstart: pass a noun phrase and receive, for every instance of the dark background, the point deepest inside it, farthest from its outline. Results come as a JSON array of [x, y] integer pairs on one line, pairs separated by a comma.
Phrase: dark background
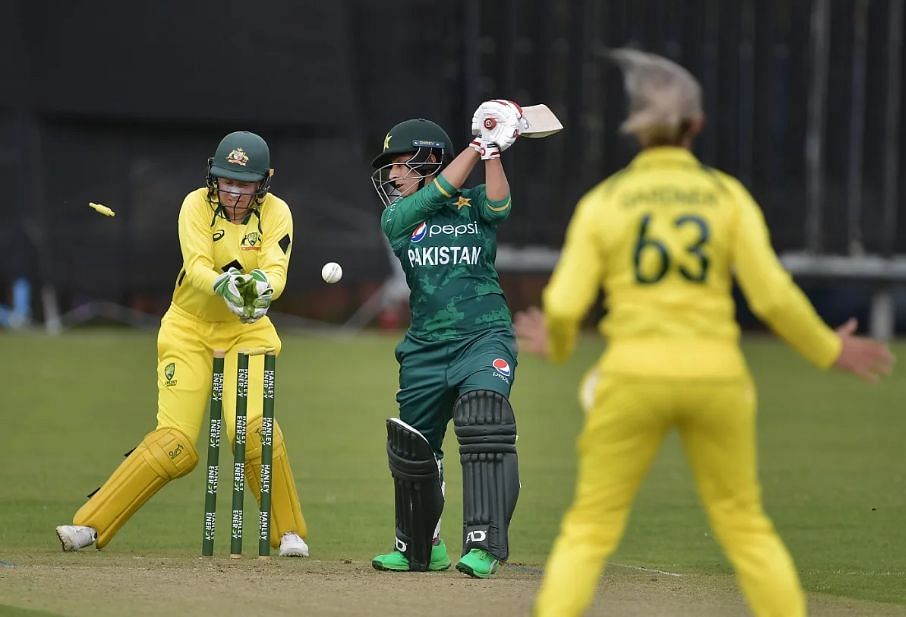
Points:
[[121, 103]]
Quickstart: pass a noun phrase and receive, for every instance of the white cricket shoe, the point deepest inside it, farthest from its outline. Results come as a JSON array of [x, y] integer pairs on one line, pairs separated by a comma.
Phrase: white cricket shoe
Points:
[[291, 545], [75, 537]]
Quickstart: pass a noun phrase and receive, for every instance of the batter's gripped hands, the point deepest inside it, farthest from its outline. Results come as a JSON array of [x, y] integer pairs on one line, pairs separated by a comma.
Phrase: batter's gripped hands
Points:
[[865, 358], [499, 122], [531, 333], [486, 150]]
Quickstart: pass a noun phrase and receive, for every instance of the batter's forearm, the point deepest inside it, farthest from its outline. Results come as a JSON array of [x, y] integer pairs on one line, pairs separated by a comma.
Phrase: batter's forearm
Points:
[[457, 172], [497, 187]]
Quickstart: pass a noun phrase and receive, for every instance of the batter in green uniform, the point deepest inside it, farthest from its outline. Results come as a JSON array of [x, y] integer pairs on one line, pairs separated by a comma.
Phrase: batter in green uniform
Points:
[[458, 359]]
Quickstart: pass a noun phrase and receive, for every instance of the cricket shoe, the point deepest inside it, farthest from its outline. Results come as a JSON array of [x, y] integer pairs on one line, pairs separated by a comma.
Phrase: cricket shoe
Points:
[[478, 563], [397, 562], [75, 537], [291, 545]]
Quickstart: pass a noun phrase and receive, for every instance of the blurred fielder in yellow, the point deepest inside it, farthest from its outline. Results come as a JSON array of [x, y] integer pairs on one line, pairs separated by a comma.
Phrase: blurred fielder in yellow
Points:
[[663, 238]]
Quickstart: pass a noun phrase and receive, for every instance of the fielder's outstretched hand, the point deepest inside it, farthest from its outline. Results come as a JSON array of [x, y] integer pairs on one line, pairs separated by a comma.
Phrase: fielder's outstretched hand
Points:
[[531, 333], [863, 357]]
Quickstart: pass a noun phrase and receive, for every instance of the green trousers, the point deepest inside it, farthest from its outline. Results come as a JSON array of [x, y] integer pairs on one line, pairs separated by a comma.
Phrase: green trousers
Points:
[[433, 374]]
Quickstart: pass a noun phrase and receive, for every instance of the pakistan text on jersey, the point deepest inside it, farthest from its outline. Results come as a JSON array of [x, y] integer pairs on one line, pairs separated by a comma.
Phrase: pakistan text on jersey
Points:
[[443, 255]]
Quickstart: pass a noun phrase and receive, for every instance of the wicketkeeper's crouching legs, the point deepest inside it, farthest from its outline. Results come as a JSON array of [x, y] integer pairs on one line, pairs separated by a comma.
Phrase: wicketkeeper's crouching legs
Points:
[[286, 511], [486, 430], [163, 455]]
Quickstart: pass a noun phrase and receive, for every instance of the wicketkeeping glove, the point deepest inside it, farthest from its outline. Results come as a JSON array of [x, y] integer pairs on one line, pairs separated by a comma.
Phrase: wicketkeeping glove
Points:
[[262, 285], [257, 296], [227, 286]]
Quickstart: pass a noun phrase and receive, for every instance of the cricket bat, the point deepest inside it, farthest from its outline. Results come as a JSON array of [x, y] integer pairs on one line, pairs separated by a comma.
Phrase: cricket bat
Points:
[[540, 119], [541, 122]]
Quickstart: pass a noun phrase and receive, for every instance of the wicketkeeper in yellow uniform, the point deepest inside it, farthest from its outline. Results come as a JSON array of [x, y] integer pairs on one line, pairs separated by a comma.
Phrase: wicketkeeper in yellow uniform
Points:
[[235, 235], [663, 238]]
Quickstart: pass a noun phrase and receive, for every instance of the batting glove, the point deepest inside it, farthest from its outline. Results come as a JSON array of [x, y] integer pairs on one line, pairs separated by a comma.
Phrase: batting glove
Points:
[[499, 122], [486, 150]]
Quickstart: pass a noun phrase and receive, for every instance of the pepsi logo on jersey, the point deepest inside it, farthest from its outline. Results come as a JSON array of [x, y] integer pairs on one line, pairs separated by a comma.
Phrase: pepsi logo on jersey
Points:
[[502, 369]]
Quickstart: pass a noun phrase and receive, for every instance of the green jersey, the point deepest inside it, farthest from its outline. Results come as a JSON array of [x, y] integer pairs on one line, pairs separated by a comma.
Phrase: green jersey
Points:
[[446, 241]]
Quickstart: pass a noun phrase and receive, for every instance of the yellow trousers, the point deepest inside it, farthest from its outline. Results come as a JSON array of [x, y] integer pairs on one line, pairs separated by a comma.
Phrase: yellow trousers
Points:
[[623, 431], [185, 347]]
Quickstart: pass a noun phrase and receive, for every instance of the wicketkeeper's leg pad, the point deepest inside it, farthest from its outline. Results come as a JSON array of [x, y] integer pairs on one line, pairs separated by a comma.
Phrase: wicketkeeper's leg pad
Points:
[[286, 510], [417, 485], [163, 455], [486, 430]]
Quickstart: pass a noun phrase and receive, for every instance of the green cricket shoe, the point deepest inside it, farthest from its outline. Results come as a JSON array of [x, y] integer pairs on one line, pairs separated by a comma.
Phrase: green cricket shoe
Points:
[[478, 563], [397, 562]]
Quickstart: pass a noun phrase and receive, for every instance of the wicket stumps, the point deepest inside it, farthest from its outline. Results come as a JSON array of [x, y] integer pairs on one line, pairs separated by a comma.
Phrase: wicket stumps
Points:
[[267, 454], [267, 445], [213, 476]]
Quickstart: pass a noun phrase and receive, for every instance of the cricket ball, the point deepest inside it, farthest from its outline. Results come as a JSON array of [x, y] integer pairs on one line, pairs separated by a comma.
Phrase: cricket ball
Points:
[[331, 272]]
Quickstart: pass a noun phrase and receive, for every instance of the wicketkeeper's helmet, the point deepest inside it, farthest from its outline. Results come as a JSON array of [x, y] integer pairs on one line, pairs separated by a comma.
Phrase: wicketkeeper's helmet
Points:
[[242, 156]]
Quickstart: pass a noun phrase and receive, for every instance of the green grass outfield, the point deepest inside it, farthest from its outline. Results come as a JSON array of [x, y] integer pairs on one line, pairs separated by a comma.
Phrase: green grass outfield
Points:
[[831, 456]]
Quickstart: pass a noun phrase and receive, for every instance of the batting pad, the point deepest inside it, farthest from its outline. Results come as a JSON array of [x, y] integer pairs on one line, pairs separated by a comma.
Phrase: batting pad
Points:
[[286, 510], [486, 430], [418, 492], [163, 455]]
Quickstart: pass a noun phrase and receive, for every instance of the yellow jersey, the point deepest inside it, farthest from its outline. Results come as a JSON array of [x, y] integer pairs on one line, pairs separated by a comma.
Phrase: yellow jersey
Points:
[[663, 238], [211, 245]]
